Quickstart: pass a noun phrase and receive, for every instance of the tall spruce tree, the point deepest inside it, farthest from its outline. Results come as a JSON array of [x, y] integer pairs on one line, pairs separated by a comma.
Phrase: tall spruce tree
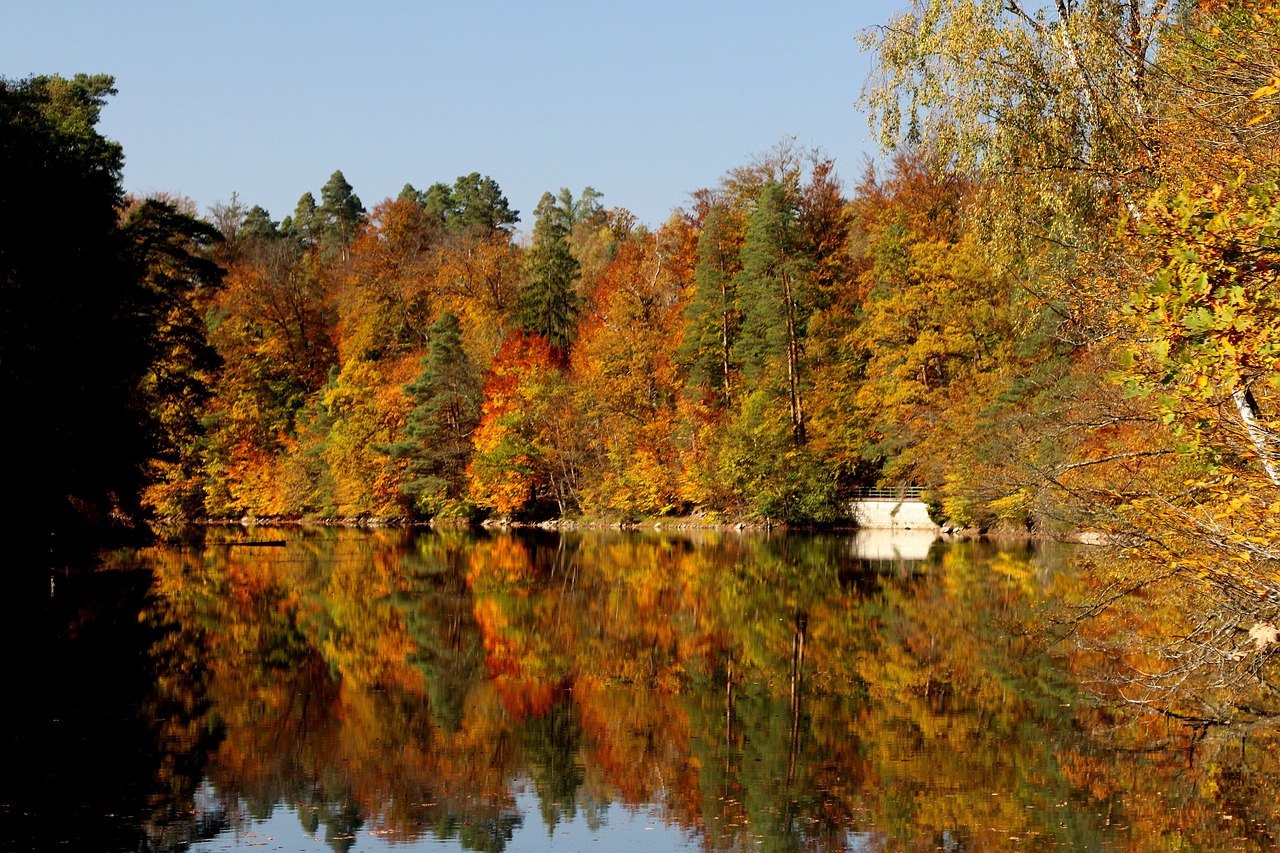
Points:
[[712, 318], [437, 437], [548, 303], [774, 293], [340, 214]]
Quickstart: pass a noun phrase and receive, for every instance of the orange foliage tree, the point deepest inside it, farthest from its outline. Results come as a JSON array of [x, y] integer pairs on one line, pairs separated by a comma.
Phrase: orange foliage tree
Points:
[[526, 448]]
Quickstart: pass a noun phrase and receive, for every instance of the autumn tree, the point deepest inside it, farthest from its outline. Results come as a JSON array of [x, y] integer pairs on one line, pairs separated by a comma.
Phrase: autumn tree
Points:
[[933, 345], [626, 376], [1091, 116], [274, 326], [169, 248], [387, 294], [527, 452], [1054, 95]]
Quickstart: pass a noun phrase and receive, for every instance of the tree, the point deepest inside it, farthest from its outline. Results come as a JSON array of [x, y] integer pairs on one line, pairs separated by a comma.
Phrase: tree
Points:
[[472, 203], [548, 303], [76, 337], [1050, 93], [935, 329], [1131, 157], [436, 440], [774, 292], [712, 317], [626, 378], [258, 225], [478, 203], [340, 213], [102, 348], [170, 250], [526, 449], [1050, 105], [304, 225]]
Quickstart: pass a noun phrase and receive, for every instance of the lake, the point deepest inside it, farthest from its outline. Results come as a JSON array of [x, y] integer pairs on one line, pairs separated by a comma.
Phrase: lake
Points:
[[349, 690]]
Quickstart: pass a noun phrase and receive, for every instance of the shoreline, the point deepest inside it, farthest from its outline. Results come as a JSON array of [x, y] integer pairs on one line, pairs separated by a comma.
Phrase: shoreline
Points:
[[682, 523]]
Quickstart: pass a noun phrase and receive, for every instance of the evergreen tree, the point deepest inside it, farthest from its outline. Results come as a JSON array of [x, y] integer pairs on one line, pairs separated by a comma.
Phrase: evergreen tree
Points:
[[257, 225], [774, 294], [340, 214], [437, 437], [437, 201], [711, 319], [473, 203], [305, 222], [548, 302], [478, 203]]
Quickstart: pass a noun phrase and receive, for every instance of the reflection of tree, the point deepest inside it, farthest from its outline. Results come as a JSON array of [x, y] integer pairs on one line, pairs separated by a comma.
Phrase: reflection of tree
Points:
[[552, 744], [317, 660], [437, 612], [760, 691]]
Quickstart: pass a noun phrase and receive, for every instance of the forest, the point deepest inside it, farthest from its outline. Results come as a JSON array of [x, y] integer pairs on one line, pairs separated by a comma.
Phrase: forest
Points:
[[1052, 304]]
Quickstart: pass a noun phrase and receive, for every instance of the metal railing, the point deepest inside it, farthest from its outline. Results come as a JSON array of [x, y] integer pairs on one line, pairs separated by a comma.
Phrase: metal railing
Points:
[[889, 493]]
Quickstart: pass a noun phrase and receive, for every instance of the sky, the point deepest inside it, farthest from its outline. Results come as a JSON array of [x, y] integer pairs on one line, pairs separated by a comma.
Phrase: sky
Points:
[[644, 101]]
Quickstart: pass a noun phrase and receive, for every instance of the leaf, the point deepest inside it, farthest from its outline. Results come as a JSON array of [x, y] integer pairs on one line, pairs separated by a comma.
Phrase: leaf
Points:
[[1264, 634], [1271, 87]]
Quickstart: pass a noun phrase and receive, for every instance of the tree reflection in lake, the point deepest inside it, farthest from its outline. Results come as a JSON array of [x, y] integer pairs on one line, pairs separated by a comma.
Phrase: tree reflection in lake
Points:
[[778, 692]]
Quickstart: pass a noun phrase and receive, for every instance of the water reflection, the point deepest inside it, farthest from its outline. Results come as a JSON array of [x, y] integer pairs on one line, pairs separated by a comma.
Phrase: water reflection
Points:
[[779, 693]]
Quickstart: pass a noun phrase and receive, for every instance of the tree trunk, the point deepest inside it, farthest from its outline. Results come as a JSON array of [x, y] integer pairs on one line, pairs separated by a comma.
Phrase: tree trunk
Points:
[[1260, 436]]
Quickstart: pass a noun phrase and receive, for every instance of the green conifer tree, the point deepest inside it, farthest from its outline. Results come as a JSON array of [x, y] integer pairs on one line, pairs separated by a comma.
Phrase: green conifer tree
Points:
[[437, 438], [478, 204], [774, 293], [548, 303], [340, 214], [712, 319]]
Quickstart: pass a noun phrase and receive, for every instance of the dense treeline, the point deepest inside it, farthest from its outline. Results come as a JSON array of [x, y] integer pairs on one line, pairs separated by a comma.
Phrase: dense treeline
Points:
[[1053, 305], [757, 356]]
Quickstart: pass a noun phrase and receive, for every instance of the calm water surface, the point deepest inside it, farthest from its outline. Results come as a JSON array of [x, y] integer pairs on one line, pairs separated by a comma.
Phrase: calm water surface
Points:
[[396, 690]]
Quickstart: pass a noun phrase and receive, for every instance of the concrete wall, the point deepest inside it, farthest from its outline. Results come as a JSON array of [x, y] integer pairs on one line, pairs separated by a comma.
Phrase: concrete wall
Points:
[[892, 515]]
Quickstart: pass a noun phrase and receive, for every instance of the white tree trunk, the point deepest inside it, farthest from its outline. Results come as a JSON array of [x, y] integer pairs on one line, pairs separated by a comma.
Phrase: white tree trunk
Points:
[[1258, 434]]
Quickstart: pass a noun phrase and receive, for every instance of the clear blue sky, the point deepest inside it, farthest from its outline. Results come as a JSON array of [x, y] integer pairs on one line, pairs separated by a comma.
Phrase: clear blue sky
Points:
[[645, 101]]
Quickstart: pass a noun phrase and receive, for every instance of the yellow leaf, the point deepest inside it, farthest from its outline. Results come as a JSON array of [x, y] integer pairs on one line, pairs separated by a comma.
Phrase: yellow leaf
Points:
[[1271, 87]]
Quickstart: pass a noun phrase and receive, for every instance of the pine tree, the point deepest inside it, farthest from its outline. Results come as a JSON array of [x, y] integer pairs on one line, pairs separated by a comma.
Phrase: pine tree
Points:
[[437, 437], [340, 214], [478, 204], [712, 319], [548, 303], [304, 224], [774, 294]]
